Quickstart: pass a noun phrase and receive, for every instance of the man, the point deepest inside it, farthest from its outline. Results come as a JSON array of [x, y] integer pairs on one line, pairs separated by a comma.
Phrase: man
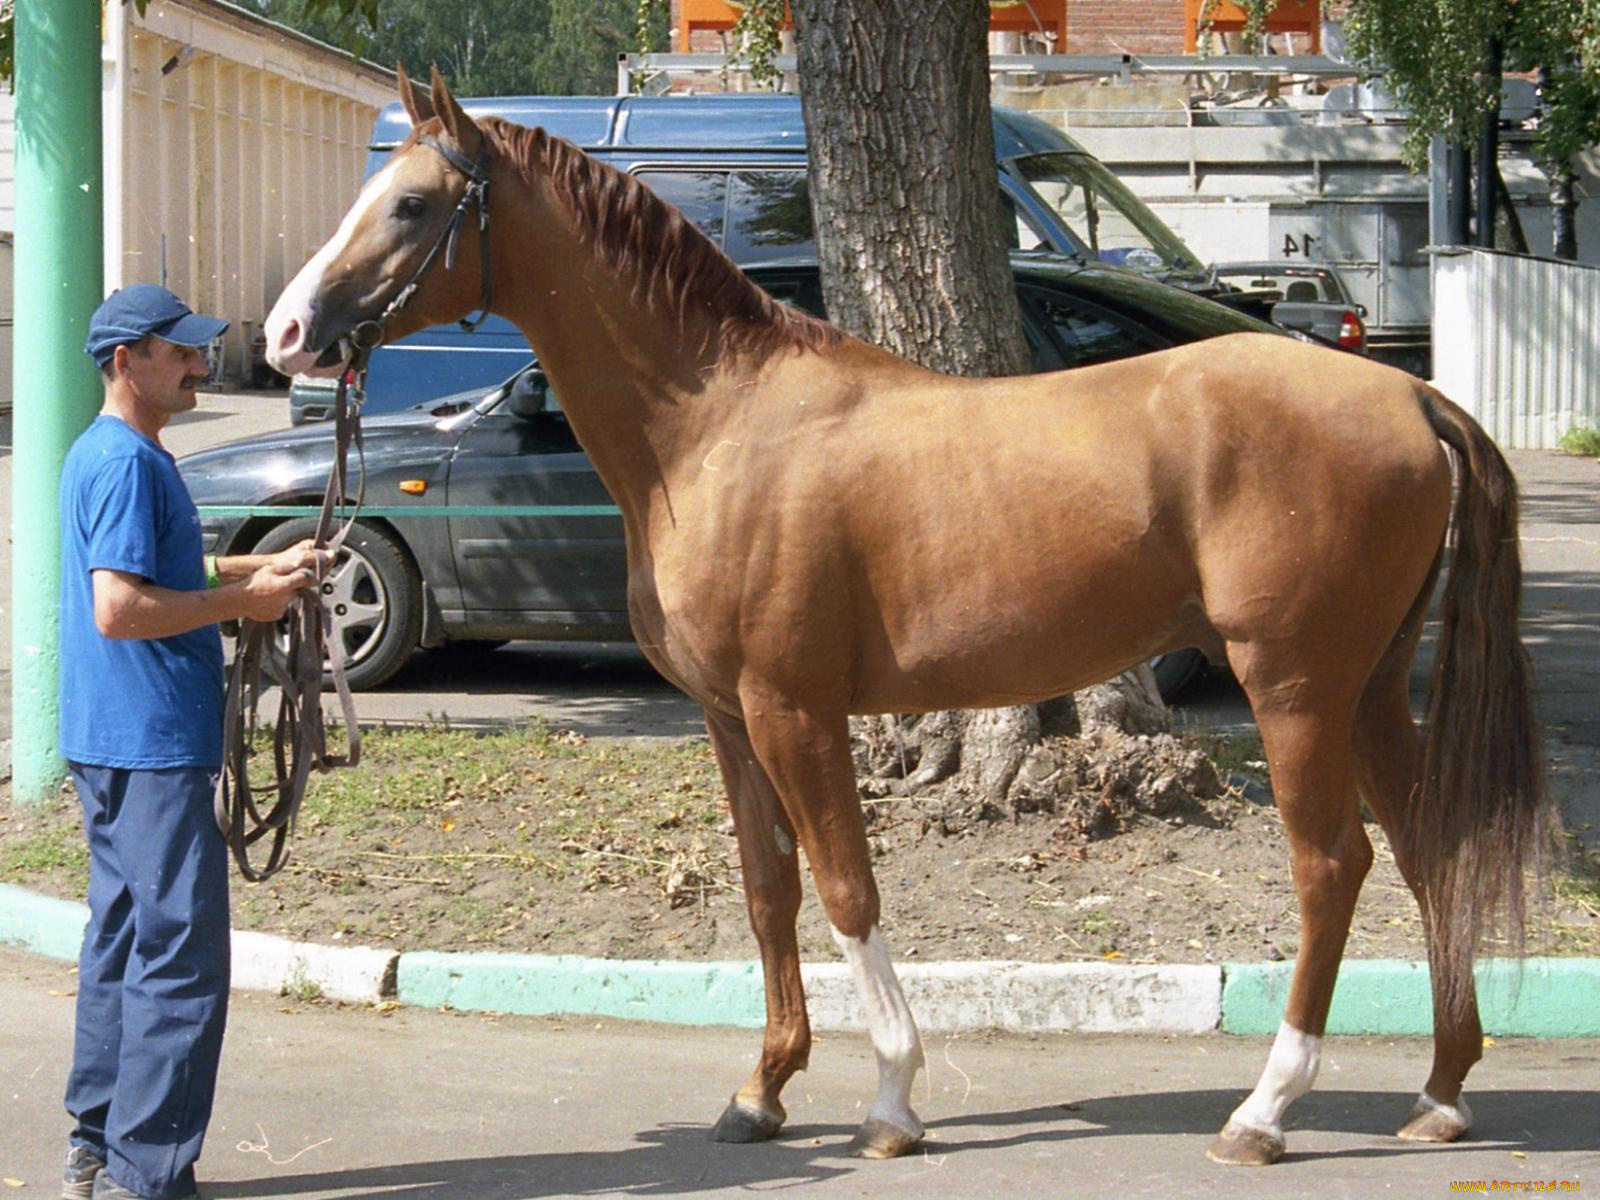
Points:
[[141, 730]]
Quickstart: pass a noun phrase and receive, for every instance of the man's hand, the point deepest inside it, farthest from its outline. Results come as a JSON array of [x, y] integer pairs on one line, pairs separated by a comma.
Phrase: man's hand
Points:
[[260, 588], [271, 588], [301, 556], [237, 568]]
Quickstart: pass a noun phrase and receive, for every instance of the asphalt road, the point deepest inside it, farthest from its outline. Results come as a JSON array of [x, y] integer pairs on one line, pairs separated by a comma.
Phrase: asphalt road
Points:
[[349, 1103]]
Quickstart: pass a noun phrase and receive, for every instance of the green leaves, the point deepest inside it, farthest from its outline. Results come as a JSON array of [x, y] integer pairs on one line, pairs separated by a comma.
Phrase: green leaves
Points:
[[487, 47], [1433, 52], [756, 36]]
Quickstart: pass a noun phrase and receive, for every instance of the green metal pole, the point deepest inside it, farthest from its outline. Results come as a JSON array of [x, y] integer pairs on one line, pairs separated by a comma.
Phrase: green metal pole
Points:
[[55, 390]]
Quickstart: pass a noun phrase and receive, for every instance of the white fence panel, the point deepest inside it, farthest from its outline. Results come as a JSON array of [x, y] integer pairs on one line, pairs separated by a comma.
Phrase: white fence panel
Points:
[[1516, 342]]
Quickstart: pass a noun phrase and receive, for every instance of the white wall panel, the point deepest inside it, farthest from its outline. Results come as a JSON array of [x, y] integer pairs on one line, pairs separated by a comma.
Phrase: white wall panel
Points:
[[1517, 343]]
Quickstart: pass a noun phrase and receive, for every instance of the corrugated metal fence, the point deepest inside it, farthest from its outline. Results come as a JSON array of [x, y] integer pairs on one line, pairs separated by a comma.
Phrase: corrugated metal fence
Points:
[[1516, 342]]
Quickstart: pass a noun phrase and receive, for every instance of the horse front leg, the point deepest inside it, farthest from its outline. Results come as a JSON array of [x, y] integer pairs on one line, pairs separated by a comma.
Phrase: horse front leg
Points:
[[772, 895], [807, 758]]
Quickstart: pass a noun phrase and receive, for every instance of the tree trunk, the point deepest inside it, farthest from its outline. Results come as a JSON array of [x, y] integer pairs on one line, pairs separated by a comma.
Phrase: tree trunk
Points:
[[1564, 204], [911, 239], [1488, 156], [910, 229]]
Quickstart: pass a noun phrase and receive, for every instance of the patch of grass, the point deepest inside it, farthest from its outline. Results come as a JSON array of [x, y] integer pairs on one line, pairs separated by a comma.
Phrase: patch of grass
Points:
[[1579, 883], [301, 987], [1232, 752], [1582, 440], [46, 850]]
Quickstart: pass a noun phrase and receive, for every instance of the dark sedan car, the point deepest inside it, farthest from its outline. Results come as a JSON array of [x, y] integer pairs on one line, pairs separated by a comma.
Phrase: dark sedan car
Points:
[[483, 520]]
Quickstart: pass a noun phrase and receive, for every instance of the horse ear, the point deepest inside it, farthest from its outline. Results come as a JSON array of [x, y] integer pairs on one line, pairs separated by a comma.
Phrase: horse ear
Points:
[[419, 105], [461, 128]]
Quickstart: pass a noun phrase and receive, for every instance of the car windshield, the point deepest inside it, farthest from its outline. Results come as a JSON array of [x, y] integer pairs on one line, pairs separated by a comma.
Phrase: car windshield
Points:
[[1114, 223]]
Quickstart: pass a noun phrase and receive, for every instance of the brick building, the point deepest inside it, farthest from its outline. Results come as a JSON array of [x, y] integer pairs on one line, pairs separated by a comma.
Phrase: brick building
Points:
[[1073, 26]]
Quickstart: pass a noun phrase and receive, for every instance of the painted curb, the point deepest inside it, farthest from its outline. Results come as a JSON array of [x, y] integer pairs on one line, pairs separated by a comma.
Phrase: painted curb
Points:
[[265, 963], [261, 962], [677, 993], [1024, 997], [43, 924], [1014, 996], [1534, 997]]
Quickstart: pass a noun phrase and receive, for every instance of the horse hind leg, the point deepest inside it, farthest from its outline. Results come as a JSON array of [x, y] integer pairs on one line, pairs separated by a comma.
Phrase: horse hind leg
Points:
[[1308, 749], [772, 896], [808, 759], [1389, 769]]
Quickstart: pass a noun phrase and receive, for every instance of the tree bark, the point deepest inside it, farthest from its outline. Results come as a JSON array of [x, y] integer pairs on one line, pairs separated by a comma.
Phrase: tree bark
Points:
[[910, 229], [1564, 203]]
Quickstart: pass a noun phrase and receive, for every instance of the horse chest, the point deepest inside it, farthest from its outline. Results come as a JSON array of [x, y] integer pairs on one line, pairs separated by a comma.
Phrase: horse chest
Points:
[[688, 632]]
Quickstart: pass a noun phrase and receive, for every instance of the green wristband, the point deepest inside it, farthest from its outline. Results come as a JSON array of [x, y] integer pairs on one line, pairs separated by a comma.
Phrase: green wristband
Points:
[[212, 578]]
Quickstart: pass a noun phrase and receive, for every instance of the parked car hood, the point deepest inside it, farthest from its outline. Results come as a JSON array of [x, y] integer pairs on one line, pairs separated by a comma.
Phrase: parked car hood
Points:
[[298, 459]]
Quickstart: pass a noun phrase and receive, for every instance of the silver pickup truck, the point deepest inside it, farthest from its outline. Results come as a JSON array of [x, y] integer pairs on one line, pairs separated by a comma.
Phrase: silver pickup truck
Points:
[[1310, 297]]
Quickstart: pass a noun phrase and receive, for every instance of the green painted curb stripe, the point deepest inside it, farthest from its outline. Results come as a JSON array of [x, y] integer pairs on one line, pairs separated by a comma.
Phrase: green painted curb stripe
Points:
[[415, 510], [679, 993], [1547, 997], [42, 924]]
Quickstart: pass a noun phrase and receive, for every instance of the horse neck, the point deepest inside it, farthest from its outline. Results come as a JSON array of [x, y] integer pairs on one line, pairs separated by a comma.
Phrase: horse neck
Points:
[[631, 381]]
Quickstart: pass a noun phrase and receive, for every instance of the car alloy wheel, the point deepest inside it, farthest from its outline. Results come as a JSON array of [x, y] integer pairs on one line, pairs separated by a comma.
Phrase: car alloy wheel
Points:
[[373, 597]]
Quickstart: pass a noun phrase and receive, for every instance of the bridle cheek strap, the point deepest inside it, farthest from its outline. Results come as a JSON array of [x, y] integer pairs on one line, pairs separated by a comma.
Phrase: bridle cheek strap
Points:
[[477, 193]]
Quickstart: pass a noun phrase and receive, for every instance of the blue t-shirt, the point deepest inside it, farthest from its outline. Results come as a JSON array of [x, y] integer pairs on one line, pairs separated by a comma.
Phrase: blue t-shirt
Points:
[[125, 702]]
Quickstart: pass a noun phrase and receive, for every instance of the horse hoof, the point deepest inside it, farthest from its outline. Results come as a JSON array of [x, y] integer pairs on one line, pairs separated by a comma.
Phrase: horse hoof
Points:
[[1431, 1121], [1241, 1146], [879, 1139], [741, 1123]]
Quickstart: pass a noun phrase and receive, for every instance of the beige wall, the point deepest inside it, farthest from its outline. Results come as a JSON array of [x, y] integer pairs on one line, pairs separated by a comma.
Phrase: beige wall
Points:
[[227, 171]]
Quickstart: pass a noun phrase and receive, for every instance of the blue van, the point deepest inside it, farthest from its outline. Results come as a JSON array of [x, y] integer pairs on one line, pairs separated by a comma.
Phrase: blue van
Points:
[[736, 166]]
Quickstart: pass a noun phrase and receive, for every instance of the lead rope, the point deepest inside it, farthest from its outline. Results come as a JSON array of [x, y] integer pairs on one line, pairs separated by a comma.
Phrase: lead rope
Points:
[[299, 739], [299, 742]]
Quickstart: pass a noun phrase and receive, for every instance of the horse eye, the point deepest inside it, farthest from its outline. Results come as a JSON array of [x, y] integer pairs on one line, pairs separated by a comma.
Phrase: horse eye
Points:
[[411, 207]]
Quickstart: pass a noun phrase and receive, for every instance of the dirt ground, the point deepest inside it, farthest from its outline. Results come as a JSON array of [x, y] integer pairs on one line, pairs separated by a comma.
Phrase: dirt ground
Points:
[[548, 843]]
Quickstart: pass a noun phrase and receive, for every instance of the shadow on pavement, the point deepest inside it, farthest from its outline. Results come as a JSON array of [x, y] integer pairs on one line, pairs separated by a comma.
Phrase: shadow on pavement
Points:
[[679, 1160]]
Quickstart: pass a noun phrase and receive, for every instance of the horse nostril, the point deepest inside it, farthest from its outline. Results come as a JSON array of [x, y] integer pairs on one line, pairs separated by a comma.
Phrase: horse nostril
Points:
[[289, 339]]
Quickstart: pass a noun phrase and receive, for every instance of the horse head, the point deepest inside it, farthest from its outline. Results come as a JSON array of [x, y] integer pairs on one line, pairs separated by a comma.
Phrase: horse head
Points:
[[380, 268]]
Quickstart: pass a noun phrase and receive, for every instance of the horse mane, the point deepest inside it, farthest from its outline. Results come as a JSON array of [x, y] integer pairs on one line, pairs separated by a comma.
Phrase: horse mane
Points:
[[669, 266]]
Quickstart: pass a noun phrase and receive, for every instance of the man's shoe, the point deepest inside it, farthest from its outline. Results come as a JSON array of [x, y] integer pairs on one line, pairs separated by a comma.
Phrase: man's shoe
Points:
[[78, 1176], [107, 1188]]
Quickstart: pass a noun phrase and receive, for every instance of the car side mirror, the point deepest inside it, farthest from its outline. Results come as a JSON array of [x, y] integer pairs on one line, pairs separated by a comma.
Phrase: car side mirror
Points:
[[530, 395], [1361, 311]]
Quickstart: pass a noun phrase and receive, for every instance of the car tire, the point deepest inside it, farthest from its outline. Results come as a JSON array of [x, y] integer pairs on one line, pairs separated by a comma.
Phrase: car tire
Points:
[[1175, 670], [375, 593]]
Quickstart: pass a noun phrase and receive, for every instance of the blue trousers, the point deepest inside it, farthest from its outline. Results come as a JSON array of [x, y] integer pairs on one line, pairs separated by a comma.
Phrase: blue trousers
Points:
[[153, 976]]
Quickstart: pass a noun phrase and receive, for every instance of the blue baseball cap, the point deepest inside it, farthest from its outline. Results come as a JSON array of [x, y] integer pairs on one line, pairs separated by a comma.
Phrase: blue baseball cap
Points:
[[142, 309]]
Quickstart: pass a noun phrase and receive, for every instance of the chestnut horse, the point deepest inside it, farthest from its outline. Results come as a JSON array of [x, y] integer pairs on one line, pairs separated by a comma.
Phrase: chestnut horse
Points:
[[817, 528]]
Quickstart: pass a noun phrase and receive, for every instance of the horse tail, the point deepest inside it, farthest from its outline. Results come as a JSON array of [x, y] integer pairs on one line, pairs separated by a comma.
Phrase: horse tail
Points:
[[1482, 819]]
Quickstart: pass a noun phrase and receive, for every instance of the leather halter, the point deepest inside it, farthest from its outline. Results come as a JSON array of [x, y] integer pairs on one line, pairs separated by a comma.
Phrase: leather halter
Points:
[[477, 193]]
